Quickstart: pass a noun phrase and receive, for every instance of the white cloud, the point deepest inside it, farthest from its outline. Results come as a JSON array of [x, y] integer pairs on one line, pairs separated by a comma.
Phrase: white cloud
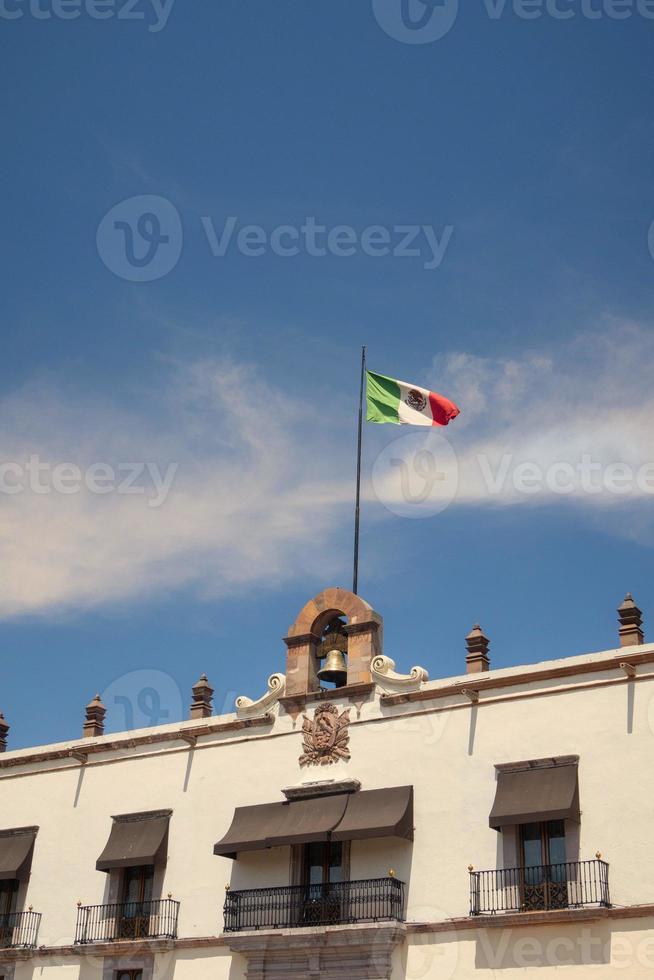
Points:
[[245, 509], [264, 483], [573, 424]]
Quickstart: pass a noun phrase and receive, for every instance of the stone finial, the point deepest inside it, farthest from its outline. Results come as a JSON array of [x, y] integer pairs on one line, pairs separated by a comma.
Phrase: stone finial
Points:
[[202, 704], [4, 730], [477, 644], [94, 721], [631, 623]]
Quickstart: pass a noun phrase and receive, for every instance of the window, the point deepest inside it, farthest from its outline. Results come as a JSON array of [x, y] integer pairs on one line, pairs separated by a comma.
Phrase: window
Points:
[[126, 975], [135, 910], [137, 884], [542, 843], [8, 893], [323, 866], [544, 869], [323, 863]]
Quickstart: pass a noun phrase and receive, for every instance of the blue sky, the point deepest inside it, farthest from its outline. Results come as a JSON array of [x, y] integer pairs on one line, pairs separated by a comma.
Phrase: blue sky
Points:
[[525, 146]]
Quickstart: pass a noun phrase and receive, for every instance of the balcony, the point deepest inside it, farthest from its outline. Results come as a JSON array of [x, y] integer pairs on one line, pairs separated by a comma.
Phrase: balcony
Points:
[[130, 920], [304, 906], [19, 930], [545, 887]]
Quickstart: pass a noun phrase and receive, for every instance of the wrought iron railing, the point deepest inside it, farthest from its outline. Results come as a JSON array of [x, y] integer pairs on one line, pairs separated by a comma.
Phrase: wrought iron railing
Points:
[[296, 906], [539, 888], [19, 929], [129, 920]]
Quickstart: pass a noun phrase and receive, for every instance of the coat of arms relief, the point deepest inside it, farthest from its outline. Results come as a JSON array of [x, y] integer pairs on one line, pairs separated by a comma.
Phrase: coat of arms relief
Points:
[[326, 738]]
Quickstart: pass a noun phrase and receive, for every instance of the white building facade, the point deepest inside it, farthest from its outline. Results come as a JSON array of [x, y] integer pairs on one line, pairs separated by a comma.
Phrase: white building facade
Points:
[[495, 824]]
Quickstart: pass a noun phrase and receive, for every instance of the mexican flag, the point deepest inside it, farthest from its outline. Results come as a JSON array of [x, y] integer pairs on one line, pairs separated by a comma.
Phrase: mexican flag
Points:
[[405, 404]]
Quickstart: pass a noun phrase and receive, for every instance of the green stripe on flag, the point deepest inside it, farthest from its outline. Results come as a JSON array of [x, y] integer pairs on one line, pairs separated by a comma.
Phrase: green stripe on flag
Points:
[[383, 398]]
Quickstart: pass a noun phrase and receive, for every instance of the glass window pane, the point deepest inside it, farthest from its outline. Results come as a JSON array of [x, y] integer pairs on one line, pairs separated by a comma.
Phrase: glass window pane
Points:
[[556, 841], [336, 863], [532, 844], [137, 884], [315, 863], [8, 890]]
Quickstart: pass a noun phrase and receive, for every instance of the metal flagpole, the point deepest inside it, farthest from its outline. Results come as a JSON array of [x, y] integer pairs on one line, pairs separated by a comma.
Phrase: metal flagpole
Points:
[[357, 510]]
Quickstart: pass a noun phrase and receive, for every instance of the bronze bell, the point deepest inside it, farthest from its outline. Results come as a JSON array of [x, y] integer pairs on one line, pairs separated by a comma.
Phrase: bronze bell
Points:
[[334, 669]]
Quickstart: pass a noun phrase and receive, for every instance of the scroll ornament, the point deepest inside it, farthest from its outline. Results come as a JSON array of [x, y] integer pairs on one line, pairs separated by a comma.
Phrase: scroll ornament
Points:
[[383, 672], [247, 708]]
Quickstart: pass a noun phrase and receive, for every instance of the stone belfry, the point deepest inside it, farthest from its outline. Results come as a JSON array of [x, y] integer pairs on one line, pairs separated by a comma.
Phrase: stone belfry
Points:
[[356, 632]]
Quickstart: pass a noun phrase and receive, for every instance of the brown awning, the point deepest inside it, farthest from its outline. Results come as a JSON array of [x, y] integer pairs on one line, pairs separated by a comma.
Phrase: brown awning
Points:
[[534, 792], [136, 839], [346, 816], [275, 824], [378, 813], [16, 849]]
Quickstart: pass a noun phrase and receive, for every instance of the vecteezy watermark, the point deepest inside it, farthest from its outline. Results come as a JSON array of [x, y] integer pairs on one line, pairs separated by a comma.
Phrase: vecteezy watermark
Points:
[[42, 478], [142, 699], [564, 478], [584, 947], [418, 475], [141, 238], [425, 21], [416, 21], [431, 960], [318, 240], [571, 9], [153, 13]]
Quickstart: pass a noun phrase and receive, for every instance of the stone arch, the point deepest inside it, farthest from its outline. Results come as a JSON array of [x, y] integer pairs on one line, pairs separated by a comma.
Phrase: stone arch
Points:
[[364, 632], [329, 603]]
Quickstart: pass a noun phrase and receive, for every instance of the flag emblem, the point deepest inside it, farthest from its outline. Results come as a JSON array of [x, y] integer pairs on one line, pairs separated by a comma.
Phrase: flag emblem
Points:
[[416, 399], [402, 403]]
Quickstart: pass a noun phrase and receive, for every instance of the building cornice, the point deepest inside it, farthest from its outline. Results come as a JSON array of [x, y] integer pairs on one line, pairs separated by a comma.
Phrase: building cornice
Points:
[[114, 949], [82, 750], [501, 683], [520, 919], [493, 681], [469, 923]]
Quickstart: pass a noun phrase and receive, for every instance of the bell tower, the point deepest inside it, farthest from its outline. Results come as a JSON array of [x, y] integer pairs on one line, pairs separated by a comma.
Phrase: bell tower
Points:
[[333, 640]]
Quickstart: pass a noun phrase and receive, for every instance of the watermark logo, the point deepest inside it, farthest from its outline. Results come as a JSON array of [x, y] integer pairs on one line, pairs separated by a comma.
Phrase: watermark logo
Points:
[[570, 9], [650, 240], [42, 478], [416, 21], [153, 13], [140, 239], [508, 476], [416, 475], [425, 21], [430, 960], [426, 727], [311, 238], [142, 699]]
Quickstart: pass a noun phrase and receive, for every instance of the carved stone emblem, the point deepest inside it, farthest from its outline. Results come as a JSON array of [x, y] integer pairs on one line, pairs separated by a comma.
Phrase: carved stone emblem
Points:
[[326, 738], [416, 399]]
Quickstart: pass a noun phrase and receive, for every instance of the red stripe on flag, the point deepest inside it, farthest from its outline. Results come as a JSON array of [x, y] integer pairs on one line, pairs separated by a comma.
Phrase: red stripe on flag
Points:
[[442, 409]]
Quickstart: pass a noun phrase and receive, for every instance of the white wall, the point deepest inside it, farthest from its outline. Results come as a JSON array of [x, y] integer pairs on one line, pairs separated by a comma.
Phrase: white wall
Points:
[[448, 756], [582, 951]]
